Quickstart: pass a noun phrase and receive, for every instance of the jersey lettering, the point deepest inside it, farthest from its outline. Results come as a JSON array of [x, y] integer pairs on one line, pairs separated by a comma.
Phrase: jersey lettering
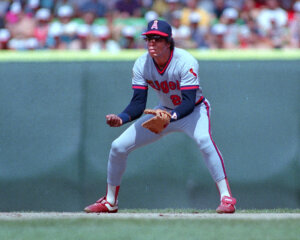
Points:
[[180, 74], [157, 86], [164, 86], [172, 85]]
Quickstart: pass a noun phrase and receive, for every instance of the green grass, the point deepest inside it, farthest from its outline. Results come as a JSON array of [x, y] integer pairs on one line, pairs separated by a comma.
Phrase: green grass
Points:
[[85, 228], [130, 55], [189, 210], [116, 229]]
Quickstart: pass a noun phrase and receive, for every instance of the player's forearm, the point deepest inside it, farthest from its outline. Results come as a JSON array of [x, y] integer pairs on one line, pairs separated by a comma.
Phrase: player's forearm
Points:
[[187, 105], [136, 106]]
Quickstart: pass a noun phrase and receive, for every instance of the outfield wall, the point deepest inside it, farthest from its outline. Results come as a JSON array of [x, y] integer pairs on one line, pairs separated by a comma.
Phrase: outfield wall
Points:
[[54, 142]]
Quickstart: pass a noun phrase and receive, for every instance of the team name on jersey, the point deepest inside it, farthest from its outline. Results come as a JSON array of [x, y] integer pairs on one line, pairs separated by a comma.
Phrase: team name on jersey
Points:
[[164, 86]]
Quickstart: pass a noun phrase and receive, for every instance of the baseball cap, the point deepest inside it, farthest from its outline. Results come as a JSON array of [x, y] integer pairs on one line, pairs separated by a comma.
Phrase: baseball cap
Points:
[[219, 29], [65, 11], [4, 35], [297, 7], [159, 27], [43, 14], [231, 13], [194, 17], [151, 15]]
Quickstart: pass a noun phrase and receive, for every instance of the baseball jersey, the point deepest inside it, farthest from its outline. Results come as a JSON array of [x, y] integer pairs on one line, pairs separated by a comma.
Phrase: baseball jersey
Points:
[[180, 73]]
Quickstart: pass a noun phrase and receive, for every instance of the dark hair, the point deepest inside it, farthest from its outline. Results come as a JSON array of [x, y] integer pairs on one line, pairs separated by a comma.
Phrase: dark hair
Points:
[[172, 43]]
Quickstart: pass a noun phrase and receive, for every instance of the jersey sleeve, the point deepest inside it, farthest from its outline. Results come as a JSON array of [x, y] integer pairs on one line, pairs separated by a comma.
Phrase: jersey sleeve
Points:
[[189, 75], [138, 80]]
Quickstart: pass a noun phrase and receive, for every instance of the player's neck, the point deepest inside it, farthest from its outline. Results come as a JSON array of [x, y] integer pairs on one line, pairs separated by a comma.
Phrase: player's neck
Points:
[[161, 61]]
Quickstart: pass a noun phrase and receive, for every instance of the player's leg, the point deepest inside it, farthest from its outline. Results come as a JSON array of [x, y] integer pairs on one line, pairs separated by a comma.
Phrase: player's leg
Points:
[[132, 138], [199, 129]]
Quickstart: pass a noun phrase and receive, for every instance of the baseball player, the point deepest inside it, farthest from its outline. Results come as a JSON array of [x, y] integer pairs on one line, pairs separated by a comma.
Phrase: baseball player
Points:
[[173, 74]]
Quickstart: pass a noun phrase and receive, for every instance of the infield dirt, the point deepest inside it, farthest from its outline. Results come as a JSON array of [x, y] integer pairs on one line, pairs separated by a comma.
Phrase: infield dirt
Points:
[[78, 215]]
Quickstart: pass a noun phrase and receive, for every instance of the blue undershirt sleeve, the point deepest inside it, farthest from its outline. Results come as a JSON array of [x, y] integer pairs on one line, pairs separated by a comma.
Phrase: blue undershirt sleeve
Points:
[[187, 105], [136, 106]]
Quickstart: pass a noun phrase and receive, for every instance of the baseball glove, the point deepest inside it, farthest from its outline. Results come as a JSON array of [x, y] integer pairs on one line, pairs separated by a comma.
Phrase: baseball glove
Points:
[[159, 122]]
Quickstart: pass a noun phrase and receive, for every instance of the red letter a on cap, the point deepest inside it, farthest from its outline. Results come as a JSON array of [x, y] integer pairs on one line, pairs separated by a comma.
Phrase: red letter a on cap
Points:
[[154, 25]]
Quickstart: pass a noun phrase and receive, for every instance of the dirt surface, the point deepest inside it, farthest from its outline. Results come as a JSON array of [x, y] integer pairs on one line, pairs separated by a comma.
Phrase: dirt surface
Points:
[[78, 215]]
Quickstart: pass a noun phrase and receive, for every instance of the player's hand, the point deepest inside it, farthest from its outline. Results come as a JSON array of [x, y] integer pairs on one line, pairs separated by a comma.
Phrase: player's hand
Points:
[[113, 120]]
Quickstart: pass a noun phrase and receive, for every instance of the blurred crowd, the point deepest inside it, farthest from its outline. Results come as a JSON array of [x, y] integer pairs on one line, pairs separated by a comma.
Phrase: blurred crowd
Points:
[[117, 24]]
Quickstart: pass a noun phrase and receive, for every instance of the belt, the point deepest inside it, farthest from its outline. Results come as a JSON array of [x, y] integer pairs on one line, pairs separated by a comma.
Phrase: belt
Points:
[[201, 99]]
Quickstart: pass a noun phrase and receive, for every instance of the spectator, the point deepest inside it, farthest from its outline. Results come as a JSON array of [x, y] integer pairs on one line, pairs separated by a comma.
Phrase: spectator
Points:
[[101, 34], [181, 33], [43, 18], [218, 32], [31, 7], [192, 6], [69, 3], [96, 6], [4, 38], [249, 10], [160, 6], [103, 41], [49, 4], [84, 37], [272, 15], [229, 17], [85, 30], [151, 15], [172, 6], [54, 33], [237, 4], [88, 17], [13, 14], [219, 7], [127, 40], [146, 6], [250, 36], [3, 9], [128, 8], [295, 26], [207, 5], [276, 35], [20, 25], [198, 35], [64, 30], [253, 23]]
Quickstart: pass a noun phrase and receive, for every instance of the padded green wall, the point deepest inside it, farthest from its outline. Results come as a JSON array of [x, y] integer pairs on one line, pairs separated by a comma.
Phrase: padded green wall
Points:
[[54, 142]]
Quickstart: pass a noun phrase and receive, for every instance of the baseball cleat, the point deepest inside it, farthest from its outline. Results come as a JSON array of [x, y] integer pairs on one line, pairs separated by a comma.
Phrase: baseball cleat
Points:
[[101, 206], [227, 205]]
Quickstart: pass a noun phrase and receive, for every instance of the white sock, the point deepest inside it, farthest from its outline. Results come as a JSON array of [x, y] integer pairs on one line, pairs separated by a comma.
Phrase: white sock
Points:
[[223, 189], [111, 194]]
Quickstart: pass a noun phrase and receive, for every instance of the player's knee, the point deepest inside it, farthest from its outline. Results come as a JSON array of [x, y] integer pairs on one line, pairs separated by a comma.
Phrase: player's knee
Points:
[[117, 148], [204, 141]]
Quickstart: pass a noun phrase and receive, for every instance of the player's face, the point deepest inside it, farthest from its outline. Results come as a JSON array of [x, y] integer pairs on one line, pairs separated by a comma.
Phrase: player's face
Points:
[[157, 46]]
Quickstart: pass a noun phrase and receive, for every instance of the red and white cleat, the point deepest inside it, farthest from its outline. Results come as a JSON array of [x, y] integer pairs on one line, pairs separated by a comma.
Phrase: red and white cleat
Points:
[[102, 206], [227, 205]]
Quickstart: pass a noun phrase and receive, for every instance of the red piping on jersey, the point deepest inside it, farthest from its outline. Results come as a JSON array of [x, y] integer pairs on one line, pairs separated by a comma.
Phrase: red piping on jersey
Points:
[[229, 190], [199, 101], [167, 64], [116, 193], [209, 130], [189, 87], [139, 87]]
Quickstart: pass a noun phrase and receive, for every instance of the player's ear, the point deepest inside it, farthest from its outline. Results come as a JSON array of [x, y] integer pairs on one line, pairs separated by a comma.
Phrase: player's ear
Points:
[[168, 44]]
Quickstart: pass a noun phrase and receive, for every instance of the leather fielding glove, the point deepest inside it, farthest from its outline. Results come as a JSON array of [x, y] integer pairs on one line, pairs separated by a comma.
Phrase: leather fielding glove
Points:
[[159, 122]]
